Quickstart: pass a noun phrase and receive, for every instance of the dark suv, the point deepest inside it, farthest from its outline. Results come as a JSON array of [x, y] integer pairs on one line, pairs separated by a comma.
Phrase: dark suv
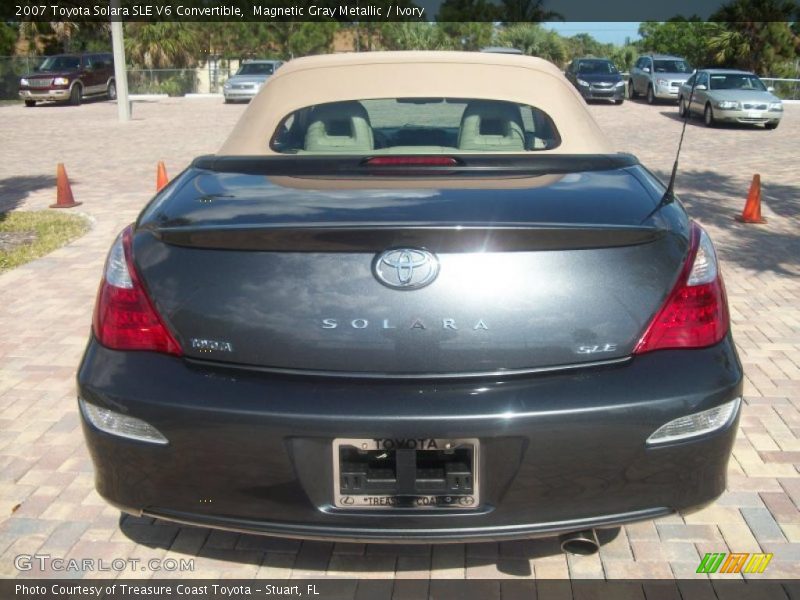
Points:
[[70, 77]]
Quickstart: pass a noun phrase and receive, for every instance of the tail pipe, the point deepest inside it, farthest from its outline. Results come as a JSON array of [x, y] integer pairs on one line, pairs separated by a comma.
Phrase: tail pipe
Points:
[[580, 542]]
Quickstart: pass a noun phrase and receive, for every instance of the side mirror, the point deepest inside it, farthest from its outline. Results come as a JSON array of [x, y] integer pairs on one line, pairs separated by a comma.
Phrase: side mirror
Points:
[[646, 69], [700, 87], [771, 89]]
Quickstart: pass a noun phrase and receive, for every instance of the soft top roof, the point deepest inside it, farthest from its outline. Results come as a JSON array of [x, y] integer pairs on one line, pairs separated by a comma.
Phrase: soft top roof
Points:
[[357, 76]]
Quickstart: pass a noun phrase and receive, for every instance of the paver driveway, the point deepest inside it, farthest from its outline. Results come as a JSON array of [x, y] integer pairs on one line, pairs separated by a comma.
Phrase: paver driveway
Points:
[[47, 501]]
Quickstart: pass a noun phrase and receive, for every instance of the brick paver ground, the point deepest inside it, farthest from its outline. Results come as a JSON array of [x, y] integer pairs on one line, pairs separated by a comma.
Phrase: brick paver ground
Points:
[[47, 501]]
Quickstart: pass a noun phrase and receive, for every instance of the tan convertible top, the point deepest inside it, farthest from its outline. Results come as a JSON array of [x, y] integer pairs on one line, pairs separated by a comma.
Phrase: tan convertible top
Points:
[[480, 75]]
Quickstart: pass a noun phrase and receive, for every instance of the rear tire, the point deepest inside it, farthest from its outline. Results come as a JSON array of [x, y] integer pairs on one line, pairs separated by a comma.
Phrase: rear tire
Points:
[[111, 91], [651, 94], [631, 91], [30, 103], [75, 95], [771, 125], [708, 116]]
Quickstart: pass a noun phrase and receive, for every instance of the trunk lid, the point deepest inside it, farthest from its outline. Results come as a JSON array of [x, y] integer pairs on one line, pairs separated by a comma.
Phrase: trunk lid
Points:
[[535, 272]]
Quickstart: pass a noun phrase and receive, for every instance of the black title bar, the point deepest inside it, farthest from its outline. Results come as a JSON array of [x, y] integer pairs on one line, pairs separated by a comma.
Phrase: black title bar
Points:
[[376, 11]]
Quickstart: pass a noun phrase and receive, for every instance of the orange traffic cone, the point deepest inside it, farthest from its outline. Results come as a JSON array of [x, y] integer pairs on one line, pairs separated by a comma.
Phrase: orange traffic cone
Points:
[[161, 176], [752, 209], [64, 198]]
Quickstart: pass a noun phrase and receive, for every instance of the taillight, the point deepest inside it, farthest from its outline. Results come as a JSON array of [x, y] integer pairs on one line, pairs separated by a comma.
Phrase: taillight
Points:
[[124, 317], [695, 314]]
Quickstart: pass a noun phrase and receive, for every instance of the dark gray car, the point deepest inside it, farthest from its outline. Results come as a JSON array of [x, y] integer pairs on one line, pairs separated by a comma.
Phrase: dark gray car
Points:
[[412, 317], [596, 79]]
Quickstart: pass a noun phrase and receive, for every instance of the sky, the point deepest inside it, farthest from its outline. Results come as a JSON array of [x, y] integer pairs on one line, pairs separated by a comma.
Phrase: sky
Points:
[[604, 32]]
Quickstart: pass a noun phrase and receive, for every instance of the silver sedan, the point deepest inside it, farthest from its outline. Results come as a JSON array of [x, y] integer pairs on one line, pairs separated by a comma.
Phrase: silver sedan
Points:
[[726, 95]]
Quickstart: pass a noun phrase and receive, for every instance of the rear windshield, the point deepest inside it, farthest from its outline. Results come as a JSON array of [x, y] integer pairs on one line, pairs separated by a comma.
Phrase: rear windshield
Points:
[[671, 66], [256, 69], [415, 126], [596, 67], [737, 82]]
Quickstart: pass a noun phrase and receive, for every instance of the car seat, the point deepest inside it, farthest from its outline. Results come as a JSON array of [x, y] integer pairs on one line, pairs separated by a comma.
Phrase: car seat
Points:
[[489, 125], [339, 127]]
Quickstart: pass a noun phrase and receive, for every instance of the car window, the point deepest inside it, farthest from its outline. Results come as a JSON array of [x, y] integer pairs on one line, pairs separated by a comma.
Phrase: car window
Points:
[[671, 66], [736, 81], [60, 63], [702, 79], [256, 69], [596, 67], [415, 126]]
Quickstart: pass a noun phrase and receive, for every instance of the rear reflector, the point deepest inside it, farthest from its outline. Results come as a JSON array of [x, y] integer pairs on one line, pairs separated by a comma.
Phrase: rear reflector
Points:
[[124, 317], [695, 314], [116, 423], [414, 161], [696, 424]]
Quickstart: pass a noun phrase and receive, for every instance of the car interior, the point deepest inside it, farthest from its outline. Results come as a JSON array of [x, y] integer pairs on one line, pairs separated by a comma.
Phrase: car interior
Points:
[[417, 126]]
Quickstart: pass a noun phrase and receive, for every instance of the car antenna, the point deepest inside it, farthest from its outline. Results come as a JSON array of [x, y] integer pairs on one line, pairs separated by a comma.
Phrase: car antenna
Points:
[[669, 194]]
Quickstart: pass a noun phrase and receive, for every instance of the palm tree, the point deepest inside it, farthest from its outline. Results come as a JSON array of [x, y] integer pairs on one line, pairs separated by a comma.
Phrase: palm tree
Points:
[[534, 40], [163, 45], [39, 36], [415, 36], [755, 35], [532, 11]]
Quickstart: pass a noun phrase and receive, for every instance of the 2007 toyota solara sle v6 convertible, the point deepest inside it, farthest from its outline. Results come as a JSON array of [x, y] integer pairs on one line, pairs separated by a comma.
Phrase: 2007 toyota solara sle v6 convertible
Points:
[[415, 296]]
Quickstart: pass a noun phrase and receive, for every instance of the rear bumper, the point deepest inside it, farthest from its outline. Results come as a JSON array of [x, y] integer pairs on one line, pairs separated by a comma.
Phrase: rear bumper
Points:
[[559, 452]]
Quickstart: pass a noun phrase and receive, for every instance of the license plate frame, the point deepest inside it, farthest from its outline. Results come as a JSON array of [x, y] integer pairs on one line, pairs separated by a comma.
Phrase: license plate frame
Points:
[[468, 500]]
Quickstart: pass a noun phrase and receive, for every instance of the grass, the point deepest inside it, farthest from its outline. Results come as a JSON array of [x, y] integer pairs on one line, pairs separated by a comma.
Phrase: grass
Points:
[[36, 233]]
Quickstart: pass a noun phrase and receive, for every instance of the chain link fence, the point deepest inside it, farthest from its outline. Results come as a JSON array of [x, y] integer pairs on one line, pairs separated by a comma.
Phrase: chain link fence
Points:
[[11, 69], [786, 89], [209, 79], [173, 82]]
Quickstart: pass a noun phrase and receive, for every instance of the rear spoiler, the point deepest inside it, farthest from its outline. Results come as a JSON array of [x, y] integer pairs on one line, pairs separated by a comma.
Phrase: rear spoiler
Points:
[[463, 165]]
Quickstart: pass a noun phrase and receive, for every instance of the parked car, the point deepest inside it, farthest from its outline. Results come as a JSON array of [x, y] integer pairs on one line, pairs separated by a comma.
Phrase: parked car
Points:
[[732, 96], [596, 79], [415, 296], [70, 78], [502, 50], [658, 77], [252, 74]]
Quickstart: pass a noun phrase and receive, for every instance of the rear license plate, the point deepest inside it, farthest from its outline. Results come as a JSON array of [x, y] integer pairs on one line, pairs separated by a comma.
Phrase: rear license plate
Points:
[[408, 473]]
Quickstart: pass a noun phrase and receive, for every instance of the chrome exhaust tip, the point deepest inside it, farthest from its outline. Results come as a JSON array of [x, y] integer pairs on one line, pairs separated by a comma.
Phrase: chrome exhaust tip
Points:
[[581, 543]]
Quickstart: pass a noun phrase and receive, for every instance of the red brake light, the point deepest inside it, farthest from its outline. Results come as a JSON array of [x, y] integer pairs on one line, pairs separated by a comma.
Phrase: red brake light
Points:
[[124, 317], [413, 161], [695, 314]]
